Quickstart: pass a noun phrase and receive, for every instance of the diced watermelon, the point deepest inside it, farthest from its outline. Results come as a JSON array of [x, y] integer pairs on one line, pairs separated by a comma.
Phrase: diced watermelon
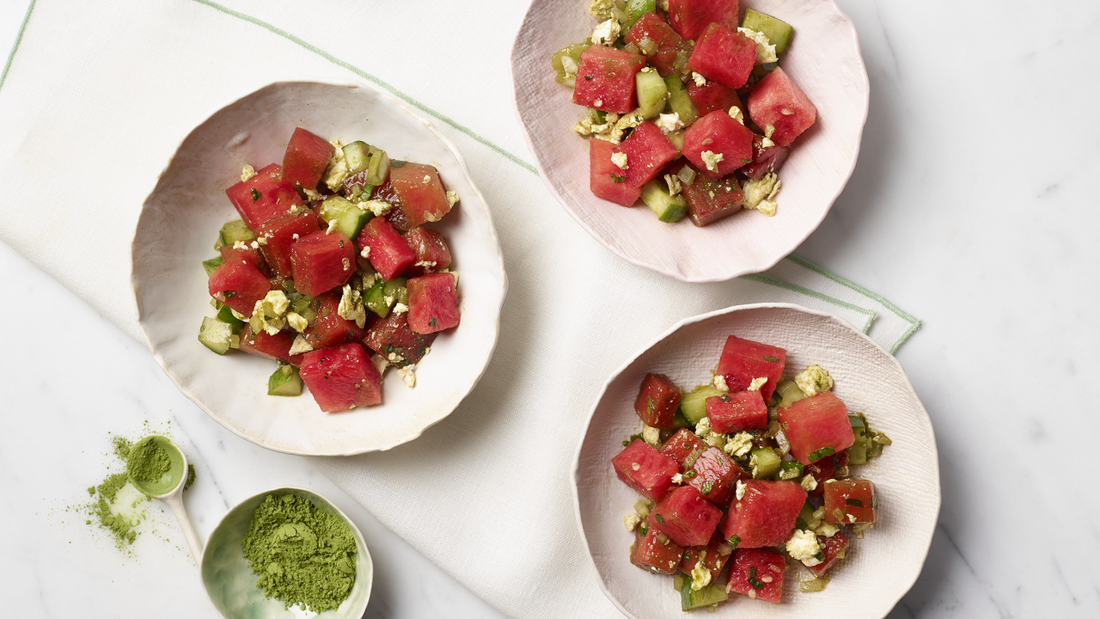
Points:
[[822, 470], [647, 150], [605, 79], [758, 573], [322, 261], [653, 555], [715, 476], [657, 402], [691, 17], [433, 302], [710, 200], [778, 102], [273, 347], [264, 196], [734, 412], [392, 338], [607, 180], [432, 253], [396, 216], [665, 48], [765, 515], [765, 159], [724, 55], [681, 445], [645, 469], [342, 378], [307, 156], [238, 285], [329, 328], [743, 361], [389, 254], [713, 96], [280, 233], [420, 193], [817, 427], [833, 548], [244, 252], [686, 516], [850, 501], [718, 554], [720, 134]]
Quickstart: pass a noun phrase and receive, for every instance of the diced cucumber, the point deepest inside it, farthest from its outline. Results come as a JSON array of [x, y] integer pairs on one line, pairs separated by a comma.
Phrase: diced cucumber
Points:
[[218, 336], [667, 207], [790, 470], [652, 93], [765, 463], [232, 232], [677, 139], [857, 453], [349, 218], [355, 156], [225, 314], [634, 11], [694, 403], [378, 166], [778, 32], [805, 516], [679, 101], [285, 381], [789, 393], [709, 595], [383, 295], [211, 265], [303, 306], [566, 61]]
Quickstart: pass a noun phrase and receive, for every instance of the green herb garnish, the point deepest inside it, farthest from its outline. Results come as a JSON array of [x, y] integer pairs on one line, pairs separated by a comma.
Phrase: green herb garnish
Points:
[[708, 486], [733, 541], [854, 502], [821, 453], [772, 359], [659, 519], [756, 584], [255, 194], [618, 179]]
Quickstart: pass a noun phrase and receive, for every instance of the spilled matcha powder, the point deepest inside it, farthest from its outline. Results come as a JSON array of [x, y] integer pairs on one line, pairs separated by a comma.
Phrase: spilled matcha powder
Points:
[[301, 554]]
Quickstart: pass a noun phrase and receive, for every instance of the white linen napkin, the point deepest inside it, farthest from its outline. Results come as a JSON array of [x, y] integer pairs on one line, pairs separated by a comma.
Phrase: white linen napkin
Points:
[[96, 97]]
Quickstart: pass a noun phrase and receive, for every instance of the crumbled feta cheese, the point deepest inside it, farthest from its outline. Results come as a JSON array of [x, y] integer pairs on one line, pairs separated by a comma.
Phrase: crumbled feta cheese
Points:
[[378, 208], [760, 194], [300, 345], [712, 159], [631, 521], [736, 114], [765, 51], [294, 236], [332, 225], [380, 362], [619, 159], [651, 435], [740, 492], [803, 547], [346, 264], [668, 123], [366, 251], [313, 194], [720, 383], [613, 127], [769, 130], [240, 245], [826, 530], [703, 427], [452, 198], [809, 483], [678, 478], [851, 517], [814, 380], [407, 375], [269, 313], [601, 9], [254, 245], [607, 32], [700, 576], [766, 143], [400, 308], [427, 265], [247, 172], [297, 321], [352, 308], [674, 184], [757, 383], [699, 79], [738, 445], [598, 103], [262, 240]]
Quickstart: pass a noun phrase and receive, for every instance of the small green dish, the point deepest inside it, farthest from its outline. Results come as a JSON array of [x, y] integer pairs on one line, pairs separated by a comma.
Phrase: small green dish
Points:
[[231, 585]]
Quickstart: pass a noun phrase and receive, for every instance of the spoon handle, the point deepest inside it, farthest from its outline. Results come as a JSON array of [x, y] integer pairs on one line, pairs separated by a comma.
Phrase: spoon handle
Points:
[[175, 503]]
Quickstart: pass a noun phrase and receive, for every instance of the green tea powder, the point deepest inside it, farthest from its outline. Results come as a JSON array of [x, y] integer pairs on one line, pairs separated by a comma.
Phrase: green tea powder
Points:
[[301, 554], [147, 461]]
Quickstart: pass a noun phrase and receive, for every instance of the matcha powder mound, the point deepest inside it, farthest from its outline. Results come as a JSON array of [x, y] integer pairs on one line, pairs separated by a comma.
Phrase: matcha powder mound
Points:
[[301, 553], [148, 461]]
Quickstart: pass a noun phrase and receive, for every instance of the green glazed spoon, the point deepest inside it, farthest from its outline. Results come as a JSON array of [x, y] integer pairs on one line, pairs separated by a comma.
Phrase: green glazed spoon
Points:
[[169, 488]]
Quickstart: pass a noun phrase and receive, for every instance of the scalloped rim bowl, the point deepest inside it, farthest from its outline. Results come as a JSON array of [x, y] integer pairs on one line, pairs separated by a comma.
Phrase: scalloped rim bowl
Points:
[[823, 59], [180, 220], [879, 569]]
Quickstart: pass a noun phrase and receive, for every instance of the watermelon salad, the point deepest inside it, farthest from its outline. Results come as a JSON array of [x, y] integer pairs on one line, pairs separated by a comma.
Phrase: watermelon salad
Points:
[[738, 475], [688, 109], [333, 270]]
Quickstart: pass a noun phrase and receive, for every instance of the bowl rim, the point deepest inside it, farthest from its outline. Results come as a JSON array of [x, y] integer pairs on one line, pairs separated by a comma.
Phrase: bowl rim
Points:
[[576, 465], [674, 271], [447, 143]]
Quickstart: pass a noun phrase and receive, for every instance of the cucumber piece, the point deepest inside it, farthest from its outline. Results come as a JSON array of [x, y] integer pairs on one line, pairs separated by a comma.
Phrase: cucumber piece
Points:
[[566, 61], [355, 156], [857, 453], [378, 166], [211, 265], [634, 11], [790, 470], [765, 463], [667, 207], [234, 231], [679, 101], [709, 595], [652, 93], [349, 218], [805, 516], [789, 392], [225, 314], [285, 381], [694, 404], [677, 139], [218, 336], [303, 306], [383, 295], [778, 31]]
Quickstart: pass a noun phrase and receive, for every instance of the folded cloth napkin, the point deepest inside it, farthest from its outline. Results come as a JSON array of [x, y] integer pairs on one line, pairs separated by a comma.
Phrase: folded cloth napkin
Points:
[[94, 100]]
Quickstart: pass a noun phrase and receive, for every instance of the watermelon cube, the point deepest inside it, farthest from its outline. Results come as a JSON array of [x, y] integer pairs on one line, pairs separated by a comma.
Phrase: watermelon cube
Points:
[[825, 469], [244, 252], [652, 554], [342, 378], [392, 338], [264, 196], [607, 180], [666, 50], [691, 17], [710, 200], [388, 252], [779, 103], [657, 402], [419, 192], [724, 55], [307, 155], [850, 501], [329, 328], [645, 469], [322, 261], [682, 446], [715, 476], [280, 233], [712, 96], [743, 361], [433, 302], [686, 516], [765, 159], [717, 554], [735, 412], [817, 427], [239, 285], [432, 253], [605, 79], [647, 150], [758, 573], [272, 347], [833, 548], [717, 144], [765, 515]]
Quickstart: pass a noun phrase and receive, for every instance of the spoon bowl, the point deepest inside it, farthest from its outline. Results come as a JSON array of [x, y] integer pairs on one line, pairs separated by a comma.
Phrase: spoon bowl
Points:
[[169, 487]]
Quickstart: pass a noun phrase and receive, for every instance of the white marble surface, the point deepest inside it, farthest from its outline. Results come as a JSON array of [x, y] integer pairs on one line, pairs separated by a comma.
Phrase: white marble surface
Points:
[[972, 208]]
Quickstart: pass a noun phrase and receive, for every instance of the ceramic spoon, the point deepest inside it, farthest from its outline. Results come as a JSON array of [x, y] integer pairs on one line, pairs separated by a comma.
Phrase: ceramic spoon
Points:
[[169, 488]]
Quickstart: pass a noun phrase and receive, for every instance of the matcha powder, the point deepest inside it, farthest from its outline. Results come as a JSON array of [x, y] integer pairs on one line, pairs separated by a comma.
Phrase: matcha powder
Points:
[[301, 553], [147, 461]]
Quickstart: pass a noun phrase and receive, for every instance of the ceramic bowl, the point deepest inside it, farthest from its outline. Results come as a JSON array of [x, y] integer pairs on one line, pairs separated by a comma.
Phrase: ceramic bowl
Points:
[[878, 569], [180, 221], [823, 59], [231, 583]]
